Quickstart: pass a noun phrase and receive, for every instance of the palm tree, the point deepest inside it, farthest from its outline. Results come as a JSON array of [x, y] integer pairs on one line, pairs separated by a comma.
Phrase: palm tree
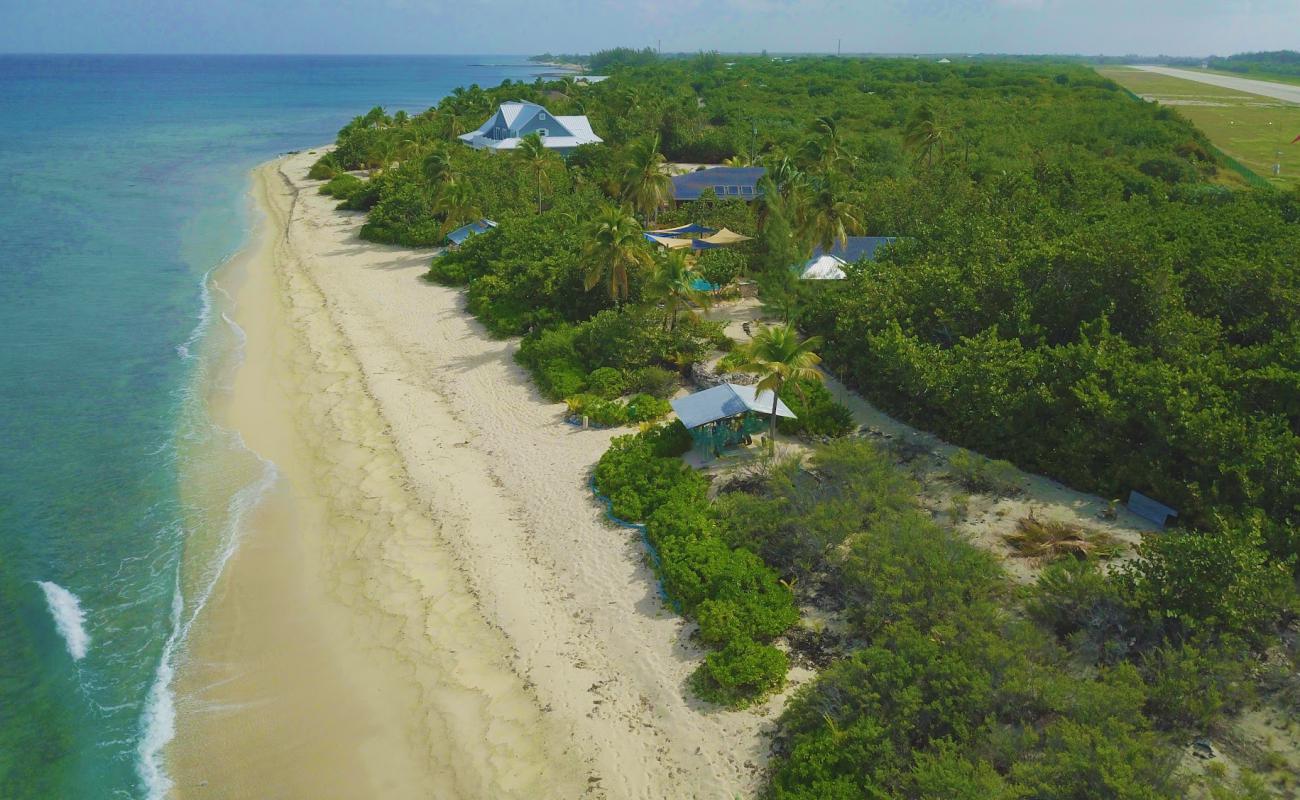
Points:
[[825, 150], [538, 159], [645, 183], [615, 243], [437, 167], [672, 282], [458, 205], [778, 356], [925, 134], [827, 218]]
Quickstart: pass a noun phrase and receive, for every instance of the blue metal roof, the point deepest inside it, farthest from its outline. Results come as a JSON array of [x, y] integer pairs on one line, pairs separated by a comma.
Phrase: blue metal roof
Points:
[[724, 401], [736, 183], [458, 236], [856, 248]]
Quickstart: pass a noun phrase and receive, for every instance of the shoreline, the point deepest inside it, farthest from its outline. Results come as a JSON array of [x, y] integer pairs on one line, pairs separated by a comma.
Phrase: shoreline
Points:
[[431, 562]]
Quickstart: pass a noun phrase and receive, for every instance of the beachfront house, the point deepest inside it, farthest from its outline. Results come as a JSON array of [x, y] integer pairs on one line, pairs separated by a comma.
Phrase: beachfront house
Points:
[[515, 120], [731, 183], [828, 265]]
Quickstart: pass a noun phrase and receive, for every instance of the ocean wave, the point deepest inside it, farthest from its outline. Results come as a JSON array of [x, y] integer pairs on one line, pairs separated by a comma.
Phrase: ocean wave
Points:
[[69, 619], [158, 723]]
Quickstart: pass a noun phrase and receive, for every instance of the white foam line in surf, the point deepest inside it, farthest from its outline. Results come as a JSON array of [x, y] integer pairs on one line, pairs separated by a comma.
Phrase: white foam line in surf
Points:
[[159, 719], [69, 619]]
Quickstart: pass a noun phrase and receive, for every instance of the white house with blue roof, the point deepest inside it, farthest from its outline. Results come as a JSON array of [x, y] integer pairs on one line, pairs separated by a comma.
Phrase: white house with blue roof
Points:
[[828, 265], [515, 120]]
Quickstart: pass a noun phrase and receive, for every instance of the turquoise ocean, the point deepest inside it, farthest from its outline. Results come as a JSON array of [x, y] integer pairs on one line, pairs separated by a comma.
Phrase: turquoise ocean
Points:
[[123, 183]]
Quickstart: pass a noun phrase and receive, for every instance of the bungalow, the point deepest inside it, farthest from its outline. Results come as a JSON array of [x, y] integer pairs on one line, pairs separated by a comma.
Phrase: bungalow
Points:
[[737, 183], [517, 119], [828, 265]]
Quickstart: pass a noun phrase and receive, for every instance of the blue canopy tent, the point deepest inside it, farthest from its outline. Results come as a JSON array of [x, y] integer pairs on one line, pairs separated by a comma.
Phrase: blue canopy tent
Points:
[[726, 415]]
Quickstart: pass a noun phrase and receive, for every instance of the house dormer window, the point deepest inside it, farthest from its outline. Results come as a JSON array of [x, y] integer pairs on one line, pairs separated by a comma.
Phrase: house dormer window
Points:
[[541, 115], [543, 132]]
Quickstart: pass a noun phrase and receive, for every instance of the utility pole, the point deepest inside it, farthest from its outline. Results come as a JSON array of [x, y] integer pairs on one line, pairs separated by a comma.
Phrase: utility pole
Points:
[[753, 141], [839, 47]]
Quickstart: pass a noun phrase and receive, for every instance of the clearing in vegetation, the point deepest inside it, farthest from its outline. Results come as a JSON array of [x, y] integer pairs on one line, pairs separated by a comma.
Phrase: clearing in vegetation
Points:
[[1255, 130]]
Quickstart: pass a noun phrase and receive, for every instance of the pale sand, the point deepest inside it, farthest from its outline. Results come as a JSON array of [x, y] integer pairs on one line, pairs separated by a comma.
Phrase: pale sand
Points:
[[430, 604]]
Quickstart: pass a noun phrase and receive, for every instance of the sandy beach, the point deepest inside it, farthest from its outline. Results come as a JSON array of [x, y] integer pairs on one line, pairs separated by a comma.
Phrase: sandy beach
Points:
[[429, 603]]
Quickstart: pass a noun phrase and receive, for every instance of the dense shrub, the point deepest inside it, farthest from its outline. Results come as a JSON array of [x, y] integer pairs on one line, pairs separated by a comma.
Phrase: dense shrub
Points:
[[646, 408], [653, 380], [721, 267], [630, 466], [975, 473], [343, 186], [817, 411], [1213, 584], [741, 673], [598, 411], [606, 382], [549, 354]]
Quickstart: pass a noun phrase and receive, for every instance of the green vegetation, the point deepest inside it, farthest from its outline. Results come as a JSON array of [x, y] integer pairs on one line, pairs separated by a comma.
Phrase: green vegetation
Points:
[[1079, 288], [1255, 131], [1268, 65]]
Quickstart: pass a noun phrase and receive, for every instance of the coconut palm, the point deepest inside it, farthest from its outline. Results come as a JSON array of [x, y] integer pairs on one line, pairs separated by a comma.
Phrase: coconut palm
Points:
[[437, 167], [779, 356], [646, 185], [825, 150], [538, 160], [672, 282], [457, 204], [827, 218], [615, 245], [926, 134]]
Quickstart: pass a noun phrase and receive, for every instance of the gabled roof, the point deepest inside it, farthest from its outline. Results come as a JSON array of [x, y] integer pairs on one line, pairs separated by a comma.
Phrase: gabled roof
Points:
[[856, 248], [739, 183], [724, 401], [826, 265], [503, 129], [462, 233]]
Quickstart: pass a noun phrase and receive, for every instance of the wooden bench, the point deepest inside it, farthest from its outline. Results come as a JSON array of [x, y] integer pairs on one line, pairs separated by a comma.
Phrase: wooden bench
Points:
[[1150, 510]]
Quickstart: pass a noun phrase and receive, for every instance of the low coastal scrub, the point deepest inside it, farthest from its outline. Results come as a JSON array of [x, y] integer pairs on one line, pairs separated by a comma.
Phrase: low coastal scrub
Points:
[[817, 411], [952, 693], [738, 601], [975, 473], [616, 350], [607, 413]]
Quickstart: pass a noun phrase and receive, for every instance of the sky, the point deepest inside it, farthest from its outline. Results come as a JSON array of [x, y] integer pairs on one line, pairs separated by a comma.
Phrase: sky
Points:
[[1111, 27]]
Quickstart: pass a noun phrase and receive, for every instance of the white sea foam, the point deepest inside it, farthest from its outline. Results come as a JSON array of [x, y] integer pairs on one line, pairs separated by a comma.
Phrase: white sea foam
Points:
[[159, 719], [69, 619], [185, 350]]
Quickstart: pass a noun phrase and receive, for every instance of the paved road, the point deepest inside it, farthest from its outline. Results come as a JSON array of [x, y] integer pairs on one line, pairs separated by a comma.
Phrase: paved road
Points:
[[1279, 91]]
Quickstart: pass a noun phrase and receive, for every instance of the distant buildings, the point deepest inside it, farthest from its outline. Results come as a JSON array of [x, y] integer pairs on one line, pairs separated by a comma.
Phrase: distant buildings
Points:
[[734, 183], [828, 265], [515, 120]]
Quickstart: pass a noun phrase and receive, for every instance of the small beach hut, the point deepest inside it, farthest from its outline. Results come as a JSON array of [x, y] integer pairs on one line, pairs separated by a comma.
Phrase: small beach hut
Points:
[[464, 232], [726, 415]]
